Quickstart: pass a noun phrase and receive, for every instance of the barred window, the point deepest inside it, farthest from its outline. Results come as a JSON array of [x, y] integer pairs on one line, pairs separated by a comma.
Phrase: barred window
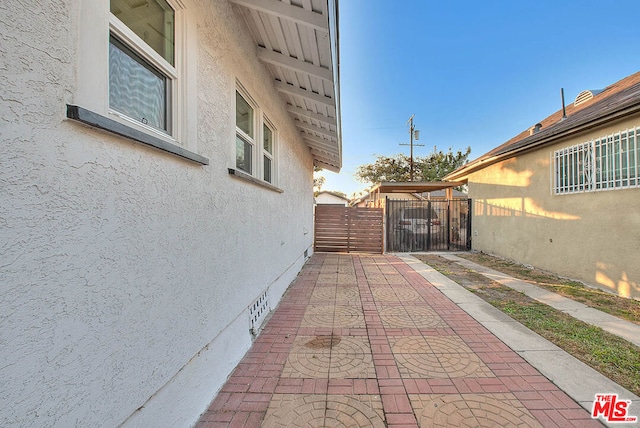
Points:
[[609, 162]]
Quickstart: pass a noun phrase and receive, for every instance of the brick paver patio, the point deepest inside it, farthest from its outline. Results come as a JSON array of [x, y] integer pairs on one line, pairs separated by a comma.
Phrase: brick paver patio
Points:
[[363, 340]]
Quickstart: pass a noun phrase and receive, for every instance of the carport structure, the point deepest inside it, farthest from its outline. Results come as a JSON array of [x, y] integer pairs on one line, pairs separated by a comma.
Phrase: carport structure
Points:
[[402, 190], [416, 221]]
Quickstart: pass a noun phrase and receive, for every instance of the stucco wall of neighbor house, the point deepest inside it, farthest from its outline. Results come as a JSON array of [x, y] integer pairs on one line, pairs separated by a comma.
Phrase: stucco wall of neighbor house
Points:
[[328, 198], [593, 236], [126, 271]]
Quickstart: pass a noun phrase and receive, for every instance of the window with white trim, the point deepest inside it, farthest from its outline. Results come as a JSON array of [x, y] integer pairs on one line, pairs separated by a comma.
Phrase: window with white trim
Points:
[[245, 131], [142, 75], [255, 142], [267, 152], [609, 162], [134, 72]]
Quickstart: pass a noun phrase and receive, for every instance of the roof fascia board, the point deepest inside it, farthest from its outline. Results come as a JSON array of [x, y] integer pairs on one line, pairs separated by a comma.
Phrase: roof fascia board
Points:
[[334, 39], [327, 166], [539, 142]]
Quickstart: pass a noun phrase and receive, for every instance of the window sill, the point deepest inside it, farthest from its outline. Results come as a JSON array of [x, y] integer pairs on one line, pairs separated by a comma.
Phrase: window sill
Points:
[[246, 177], [98, 121]]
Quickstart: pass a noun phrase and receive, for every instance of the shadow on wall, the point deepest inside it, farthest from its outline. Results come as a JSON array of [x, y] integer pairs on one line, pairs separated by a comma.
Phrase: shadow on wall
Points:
[[516, 207], [520, 219]]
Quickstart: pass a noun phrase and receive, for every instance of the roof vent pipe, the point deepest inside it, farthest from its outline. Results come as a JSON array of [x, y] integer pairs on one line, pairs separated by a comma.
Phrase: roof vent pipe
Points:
[[564, 110], [535, 128]]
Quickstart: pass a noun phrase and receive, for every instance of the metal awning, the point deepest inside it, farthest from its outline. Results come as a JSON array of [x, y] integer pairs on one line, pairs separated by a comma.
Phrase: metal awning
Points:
[[414, 186], [297, 40]]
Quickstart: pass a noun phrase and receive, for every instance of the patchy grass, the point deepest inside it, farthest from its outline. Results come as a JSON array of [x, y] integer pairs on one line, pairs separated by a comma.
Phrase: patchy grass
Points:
[[620, 307], [612, 356]]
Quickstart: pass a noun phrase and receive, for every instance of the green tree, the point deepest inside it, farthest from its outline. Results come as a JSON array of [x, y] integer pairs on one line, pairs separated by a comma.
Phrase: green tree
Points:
[[318, 180], [432, 167]]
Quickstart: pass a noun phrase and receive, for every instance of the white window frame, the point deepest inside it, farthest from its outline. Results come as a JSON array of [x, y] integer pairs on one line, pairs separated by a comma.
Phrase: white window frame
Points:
[[265, 154], [609, 162], [97, 23], [258, 152], [150, 56]]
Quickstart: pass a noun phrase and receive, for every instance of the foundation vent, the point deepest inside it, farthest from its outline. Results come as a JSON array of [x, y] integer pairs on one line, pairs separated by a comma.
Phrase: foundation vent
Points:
[[258, 311]]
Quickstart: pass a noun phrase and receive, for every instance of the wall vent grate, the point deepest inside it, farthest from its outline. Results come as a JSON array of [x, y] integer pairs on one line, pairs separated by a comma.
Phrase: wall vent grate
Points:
[[258, 311]]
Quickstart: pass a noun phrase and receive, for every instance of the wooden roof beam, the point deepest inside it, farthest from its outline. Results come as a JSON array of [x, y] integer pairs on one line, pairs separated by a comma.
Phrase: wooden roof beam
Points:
[[289, 12], [294, 64], [313, 128], [293, 90], [311, 115]]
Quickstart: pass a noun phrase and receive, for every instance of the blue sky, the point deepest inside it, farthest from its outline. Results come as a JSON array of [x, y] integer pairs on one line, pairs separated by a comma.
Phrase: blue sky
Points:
[[474, 73]]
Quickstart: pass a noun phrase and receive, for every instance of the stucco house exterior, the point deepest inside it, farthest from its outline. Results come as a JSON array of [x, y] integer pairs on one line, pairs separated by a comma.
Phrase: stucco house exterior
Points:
[[329, 198], [565, 194], [156, 196]]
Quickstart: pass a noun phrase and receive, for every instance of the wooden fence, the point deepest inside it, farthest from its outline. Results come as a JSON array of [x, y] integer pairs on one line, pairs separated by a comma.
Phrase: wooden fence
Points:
[[344, 229]]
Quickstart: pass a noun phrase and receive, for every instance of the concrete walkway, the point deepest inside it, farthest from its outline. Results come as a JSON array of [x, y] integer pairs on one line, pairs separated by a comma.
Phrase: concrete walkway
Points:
[[381, 340]]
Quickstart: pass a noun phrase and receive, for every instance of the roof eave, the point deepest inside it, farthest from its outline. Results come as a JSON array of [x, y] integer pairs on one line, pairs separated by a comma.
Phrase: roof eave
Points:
[[308, 79], [542, 139]]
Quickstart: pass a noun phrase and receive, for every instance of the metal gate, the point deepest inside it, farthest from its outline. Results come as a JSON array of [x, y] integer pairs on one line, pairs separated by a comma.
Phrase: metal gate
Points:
[[437, 225], [344, 229]]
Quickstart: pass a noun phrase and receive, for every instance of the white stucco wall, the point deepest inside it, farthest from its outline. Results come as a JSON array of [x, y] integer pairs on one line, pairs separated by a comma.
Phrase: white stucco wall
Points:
[[327, 198], [126, 272]]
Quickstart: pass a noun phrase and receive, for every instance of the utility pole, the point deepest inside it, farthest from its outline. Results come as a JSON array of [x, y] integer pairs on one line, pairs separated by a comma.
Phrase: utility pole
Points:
[[412, 133]]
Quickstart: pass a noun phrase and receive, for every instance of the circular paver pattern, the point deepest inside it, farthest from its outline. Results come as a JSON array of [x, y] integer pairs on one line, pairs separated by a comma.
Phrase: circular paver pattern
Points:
[[418, 316], [437, 357], [395, 279], [334, 357], [471, 410], [409, 345], [351, 358], [318, 316], [333, 316], [394, 294], [292, 410], [348, 316], [335, 294], [304, 362]]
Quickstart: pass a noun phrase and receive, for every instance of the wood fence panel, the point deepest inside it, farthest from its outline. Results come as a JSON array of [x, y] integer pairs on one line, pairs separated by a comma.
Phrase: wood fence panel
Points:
[[343, 229]]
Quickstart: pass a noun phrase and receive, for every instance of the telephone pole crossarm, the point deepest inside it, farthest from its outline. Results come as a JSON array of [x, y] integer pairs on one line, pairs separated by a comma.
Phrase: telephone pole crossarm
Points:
[[412, 132]]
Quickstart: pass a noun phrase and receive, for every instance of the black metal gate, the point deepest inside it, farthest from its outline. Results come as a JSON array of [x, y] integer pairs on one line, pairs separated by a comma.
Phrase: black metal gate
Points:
[[435, 225]]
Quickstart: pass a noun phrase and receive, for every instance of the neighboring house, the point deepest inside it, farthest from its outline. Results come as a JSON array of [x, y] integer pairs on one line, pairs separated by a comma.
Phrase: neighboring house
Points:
[[330, 198], [156, 196], [565, 194]]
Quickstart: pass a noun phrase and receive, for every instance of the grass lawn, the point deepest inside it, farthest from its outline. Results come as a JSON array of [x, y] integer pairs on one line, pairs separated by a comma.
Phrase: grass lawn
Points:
[[620, 307], [612, 356]]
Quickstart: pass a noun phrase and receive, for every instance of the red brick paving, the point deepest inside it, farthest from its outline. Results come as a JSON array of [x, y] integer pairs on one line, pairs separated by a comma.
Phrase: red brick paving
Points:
[[478, 369]]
